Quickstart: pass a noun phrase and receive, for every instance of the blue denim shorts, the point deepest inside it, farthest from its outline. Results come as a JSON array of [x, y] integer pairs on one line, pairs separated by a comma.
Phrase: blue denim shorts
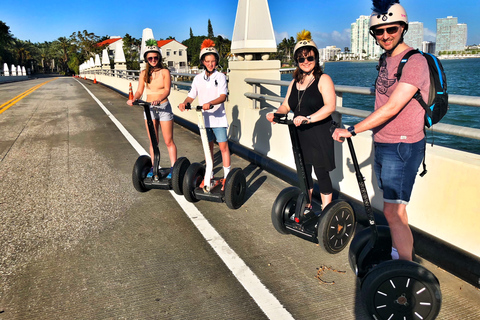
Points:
[[161, 112], [219, 133], [396, 166]]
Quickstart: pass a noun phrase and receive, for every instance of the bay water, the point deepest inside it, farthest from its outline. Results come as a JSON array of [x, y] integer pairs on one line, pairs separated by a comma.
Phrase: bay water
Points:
[[463, 78]]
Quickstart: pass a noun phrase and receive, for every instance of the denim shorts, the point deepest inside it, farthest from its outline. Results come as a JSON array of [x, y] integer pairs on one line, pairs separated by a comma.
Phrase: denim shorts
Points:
[[396, 166], [219, 133], [161, 112]]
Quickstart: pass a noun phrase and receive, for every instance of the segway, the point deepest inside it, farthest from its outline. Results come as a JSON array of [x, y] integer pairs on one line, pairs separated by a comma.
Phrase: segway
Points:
[[332, 229], [211, 189], [160, 179], [391, 289]]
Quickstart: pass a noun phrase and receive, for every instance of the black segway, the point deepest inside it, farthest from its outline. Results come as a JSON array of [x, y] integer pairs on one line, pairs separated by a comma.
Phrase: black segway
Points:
[[332, 229], [198, 184], [391, 289], [142, 166]]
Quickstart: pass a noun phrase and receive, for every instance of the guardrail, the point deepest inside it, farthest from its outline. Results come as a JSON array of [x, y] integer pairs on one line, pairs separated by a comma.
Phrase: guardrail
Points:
[[453, 99]]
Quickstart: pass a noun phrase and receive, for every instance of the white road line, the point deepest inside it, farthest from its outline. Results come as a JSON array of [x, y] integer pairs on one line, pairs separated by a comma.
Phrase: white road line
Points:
[[269, 304]]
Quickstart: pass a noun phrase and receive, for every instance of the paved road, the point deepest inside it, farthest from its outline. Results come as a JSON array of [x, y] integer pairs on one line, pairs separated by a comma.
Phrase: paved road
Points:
[[78, 242]]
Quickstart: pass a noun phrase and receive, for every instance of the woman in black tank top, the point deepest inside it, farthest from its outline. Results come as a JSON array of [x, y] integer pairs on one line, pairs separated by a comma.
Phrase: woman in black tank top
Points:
[[311, 97]]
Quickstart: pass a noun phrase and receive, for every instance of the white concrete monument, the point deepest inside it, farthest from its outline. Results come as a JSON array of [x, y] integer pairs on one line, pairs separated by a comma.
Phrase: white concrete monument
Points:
[[120, 62], [253, 31], [253, 39], [14, 70], [98, 65], [147, 34], [105, 59], [24, 72], [6, 72]]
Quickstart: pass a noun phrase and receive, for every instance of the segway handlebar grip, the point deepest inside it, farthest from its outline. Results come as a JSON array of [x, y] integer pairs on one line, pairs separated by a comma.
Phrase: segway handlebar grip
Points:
[[188, 106], [140, 103]]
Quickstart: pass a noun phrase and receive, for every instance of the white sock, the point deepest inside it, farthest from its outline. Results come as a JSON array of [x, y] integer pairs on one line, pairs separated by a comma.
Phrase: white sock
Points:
[[394, 254], [226, 171]]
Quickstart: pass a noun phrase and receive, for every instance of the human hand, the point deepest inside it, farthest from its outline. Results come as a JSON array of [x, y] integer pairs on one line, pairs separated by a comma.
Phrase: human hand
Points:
[[298, 121], [340, 134], [130, 102], [206, 106]]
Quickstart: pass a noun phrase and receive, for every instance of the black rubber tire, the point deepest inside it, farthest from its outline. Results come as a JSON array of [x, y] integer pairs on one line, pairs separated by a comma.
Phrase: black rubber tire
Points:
[[336, 227], [140, 170], [400, 289], [284, 207], [178, 174], [359, 242], [193, 178], [235, 188]]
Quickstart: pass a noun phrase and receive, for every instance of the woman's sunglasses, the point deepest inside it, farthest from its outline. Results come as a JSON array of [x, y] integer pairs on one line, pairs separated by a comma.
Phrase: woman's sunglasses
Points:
[[390, 30], [302, 59], [152, 58]]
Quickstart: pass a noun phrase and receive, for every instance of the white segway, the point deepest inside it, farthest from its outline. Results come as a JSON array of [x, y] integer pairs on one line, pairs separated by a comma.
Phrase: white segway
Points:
[[211, 189]]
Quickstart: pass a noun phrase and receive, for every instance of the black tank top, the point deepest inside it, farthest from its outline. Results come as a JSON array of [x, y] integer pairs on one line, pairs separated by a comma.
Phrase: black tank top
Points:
[[315, 138]]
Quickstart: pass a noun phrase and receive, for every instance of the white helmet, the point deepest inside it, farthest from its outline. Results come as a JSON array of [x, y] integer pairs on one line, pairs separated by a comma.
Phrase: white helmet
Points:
[[386, 12], [208, 46], [304, 39], [151, 45]]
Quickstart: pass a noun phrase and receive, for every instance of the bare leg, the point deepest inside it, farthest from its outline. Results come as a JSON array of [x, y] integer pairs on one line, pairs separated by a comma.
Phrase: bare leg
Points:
[[402, 238], [167, 132], [326, 199], [225, 153]]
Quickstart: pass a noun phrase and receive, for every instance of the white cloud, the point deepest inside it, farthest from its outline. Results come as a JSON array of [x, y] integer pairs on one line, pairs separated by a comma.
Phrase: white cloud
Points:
[[429, 35], [334, 38], [279, 36]]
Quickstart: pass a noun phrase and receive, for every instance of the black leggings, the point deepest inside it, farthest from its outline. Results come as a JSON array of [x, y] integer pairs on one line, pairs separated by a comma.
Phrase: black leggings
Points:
[[323, 178]]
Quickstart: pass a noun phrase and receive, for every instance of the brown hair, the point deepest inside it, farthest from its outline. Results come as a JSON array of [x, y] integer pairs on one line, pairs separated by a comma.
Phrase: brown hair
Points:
[[317, 70], [149, 69]]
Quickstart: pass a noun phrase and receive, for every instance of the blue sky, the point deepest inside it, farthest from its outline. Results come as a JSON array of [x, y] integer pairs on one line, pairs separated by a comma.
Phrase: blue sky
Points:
[[329, 21]]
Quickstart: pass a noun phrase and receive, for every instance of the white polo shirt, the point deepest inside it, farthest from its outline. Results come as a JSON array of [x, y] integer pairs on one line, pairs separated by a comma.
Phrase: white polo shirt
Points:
[[207, 90]]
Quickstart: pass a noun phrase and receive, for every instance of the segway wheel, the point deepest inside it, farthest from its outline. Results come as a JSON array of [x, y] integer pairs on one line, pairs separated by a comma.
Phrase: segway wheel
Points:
[[178, 173], [193, 178], [400, 289], [235, 187], [336, 227], [140, 170], [284, 208]]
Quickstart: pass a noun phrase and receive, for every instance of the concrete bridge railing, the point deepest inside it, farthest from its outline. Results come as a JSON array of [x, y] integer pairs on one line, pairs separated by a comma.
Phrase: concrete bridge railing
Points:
[[445, 202]]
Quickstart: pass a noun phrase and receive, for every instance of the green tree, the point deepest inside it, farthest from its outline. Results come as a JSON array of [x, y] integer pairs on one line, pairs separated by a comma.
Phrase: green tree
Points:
[[131, 49], [6, 44], [210, 30], [191, 32]]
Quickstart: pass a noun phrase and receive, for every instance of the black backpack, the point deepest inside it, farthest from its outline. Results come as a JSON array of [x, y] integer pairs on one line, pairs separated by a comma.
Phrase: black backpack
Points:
[[437, 105]]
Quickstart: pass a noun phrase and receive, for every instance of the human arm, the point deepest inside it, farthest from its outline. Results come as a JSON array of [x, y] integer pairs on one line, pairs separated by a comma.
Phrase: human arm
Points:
[[187, 100], [402, 94], [221, 99]]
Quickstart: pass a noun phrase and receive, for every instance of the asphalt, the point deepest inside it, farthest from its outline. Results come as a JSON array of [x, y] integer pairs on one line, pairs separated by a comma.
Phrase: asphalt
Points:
[[78, 242]]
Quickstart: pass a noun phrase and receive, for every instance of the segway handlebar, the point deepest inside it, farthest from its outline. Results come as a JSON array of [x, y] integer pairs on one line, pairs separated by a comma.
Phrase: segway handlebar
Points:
[[188, 106], [282, 118], [140, 103]]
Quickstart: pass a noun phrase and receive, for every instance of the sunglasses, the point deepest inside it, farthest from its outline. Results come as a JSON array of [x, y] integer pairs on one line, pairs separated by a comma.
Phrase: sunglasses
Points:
[[152, 58], [302, 59], [390, 30]]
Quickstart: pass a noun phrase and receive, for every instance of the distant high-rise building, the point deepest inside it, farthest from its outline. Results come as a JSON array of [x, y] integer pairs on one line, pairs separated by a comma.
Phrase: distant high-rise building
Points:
[[451, 35], [414, 35], [428, 47], [362, 43]]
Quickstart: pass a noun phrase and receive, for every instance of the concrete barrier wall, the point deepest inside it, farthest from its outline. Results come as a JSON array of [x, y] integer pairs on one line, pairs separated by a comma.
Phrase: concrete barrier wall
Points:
[[445, 203], [12, 78]]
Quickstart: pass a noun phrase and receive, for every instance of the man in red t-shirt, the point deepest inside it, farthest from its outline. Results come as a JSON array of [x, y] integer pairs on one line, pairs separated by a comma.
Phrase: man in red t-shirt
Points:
[[397, 124]]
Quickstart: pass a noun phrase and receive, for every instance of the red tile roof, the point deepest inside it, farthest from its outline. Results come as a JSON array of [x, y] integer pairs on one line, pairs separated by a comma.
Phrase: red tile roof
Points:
[[108, 42], [161, 43]]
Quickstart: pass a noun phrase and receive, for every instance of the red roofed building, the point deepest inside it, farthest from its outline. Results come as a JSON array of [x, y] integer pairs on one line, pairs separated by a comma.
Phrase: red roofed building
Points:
[[174, 55]]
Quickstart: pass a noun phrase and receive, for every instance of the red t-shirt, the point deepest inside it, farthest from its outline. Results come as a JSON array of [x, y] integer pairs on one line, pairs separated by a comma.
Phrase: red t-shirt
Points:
[[407, 126]]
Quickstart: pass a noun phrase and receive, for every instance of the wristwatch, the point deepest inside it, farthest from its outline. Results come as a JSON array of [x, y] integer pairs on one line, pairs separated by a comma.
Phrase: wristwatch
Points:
[[351, 129], [309, 119]]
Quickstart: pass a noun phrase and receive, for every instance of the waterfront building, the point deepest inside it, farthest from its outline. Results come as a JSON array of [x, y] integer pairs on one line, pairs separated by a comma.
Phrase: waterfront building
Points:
[[428, 46], [362, 44], [111, 44], [451, 35], [330, 53], [414, 35], [174, 55]]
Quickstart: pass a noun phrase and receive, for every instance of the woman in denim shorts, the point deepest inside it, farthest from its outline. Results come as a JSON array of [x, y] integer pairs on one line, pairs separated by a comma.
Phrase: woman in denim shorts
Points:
[[155, 80]]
